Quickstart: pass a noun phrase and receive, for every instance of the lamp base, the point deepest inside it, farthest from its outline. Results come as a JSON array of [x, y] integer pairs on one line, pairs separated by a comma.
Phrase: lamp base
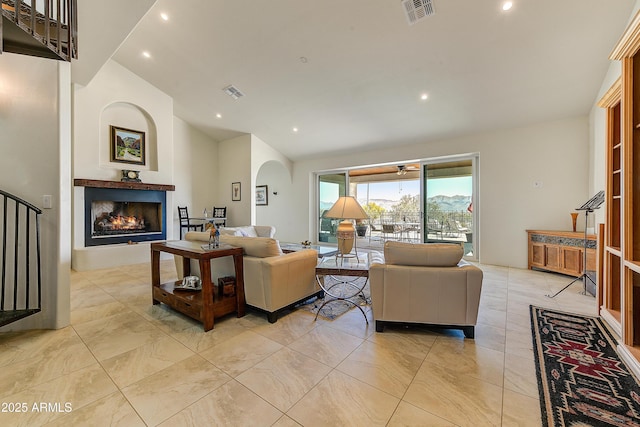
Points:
[[346, 235]]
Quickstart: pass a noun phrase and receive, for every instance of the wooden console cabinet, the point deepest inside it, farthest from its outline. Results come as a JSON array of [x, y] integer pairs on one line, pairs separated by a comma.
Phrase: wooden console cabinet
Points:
[[561, 251]]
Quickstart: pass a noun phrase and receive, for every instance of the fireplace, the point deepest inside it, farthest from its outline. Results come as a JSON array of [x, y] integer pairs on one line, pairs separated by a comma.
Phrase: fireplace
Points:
[[123, 215]]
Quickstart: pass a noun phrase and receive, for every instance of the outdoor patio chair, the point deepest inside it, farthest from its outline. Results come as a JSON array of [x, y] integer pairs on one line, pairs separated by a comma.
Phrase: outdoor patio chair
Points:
[[389, 229], [412, 228], [375, 233], [460, 229]]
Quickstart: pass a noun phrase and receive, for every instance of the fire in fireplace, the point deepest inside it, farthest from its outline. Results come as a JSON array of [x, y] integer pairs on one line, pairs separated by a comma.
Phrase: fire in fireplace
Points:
[[123, 216], [109, 224]]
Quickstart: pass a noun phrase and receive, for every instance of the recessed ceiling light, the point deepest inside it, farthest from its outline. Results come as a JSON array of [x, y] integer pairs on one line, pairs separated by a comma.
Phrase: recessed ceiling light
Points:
[[219, 115], [507, 5], [164, 16], [146, 54], [424, 96], [295, 129]]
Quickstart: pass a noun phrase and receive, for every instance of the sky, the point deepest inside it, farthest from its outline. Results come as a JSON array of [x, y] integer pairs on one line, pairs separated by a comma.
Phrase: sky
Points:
[[394, 190]]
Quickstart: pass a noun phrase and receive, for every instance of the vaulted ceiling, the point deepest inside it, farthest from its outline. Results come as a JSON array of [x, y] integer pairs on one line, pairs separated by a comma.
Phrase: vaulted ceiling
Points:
[[349, 75]]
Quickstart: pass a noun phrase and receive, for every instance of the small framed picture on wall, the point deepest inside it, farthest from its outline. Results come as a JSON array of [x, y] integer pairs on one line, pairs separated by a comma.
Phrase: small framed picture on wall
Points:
[[235, 192], [127, 146], [262, 195]]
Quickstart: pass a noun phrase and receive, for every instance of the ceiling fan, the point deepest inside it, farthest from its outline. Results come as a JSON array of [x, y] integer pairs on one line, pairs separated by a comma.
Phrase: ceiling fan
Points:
[[403, 169]]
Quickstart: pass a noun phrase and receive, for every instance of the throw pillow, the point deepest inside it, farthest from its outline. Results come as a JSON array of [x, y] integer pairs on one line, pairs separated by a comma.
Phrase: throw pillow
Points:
[[230, 231], [259, 247], [248, 231]]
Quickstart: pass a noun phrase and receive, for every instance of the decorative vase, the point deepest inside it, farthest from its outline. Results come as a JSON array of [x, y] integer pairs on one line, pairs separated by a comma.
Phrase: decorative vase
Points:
[[574, 220], [345, 235]]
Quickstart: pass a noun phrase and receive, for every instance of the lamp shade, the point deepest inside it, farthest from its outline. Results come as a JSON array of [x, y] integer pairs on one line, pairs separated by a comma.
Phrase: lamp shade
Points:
[[347, 207]]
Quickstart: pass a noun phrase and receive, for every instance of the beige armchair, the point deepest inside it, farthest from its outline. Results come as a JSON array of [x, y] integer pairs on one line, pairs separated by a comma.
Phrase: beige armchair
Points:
[[272, 280], [427, 284]]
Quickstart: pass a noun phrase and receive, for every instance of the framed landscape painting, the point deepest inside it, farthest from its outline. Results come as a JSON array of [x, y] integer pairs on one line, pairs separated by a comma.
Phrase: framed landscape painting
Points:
[[262, 195], [127, 146]]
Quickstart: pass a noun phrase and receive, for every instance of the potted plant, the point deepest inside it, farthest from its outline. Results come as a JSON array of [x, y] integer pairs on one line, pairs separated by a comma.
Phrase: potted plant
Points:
[[374, 211], [361, 227]]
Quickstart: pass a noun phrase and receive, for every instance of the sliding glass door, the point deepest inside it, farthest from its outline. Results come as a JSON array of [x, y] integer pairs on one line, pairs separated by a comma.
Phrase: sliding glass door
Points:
[[434, 200], [449, 195], [330, 187]]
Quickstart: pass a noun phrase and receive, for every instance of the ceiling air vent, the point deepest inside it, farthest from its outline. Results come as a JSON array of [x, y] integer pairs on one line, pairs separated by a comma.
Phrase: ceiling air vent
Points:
[[233, 92], [417, 10]]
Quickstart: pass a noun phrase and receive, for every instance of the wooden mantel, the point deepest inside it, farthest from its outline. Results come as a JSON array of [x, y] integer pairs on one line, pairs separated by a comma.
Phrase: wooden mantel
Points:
[[95, 183]]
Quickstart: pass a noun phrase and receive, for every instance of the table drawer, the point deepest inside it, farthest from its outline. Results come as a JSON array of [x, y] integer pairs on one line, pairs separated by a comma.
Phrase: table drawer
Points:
[[163, 296], [188, 308]]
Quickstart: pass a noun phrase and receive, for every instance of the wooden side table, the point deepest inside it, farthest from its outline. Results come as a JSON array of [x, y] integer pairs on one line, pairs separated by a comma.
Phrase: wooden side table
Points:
[[204, 305]]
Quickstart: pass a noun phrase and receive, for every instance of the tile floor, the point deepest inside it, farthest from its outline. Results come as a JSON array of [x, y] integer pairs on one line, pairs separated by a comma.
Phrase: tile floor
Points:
[[126, 362]]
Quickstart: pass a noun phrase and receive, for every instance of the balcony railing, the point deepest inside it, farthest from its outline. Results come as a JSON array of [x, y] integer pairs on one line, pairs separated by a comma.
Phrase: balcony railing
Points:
[[440, 225]]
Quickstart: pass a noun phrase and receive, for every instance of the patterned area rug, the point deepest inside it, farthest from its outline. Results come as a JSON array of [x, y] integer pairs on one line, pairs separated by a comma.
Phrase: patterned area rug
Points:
[[337, 308], [581, 380]]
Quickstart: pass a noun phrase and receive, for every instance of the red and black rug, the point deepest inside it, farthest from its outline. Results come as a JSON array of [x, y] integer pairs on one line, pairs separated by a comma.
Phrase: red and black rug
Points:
[[581, 380]]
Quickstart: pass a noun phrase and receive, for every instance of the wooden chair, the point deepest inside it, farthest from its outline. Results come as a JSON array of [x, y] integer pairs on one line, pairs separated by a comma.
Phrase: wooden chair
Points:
[[220, 216], [185, 222]]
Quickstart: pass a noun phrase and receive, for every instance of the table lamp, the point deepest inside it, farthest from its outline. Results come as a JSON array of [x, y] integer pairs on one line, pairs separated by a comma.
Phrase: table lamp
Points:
[[346, 208]]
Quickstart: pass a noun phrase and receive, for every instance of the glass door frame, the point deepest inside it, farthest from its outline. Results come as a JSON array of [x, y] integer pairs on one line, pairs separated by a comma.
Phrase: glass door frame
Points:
[[475, 197], [319, 219]]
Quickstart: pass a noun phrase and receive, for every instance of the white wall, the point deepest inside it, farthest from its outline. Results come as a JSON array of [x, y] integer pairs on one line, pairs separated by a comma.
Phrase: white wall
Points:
[[240, 160], [34, 136], [195, 159], [177, 154], [276, 177], [234, 165], [555, 153], [115, 86], [269, 167]]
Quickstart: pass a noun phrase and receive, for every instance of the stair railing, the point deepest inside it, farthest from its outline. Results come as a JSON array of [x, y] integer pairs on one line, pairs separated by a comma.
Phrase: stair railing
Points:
[[54, 25], [20, 259]]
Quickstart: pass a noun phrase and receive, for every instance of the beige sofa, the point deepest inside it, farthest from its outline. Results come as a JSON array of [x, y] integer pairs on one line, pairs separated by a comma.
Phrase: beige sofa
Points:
[[427, 284], [272, 280]]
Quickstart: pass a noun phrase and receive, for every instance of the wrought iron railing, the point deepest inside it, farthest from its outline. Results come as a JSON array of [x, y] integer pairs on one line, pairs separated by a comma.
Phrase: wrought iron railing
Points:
[[52, 22], [448, 219], [20, 271], [439, 225]]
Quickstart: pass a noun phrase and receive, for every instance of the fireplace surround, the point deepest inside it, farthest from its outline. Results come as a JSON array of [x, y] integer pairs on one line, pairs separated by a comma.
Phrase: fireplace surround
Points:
[[123, 215], [118, 212]]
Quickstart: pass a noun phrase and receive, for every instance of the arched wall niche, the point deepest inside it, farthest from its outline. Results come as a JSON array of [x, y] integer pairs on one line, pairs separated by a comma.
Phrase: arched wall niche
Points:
[[129, 116], [277, 178]]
